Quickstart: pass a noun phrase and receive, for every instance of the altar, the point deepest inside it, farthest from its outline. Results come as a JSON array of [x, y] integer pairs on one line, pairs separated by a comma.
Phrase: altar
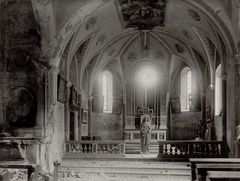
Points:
[[158, 125]]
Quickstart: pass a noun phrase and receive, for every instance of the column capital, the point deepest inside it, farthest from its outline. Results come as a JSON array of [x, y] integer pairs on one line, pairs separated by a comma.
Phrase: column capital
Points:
[[224, 76], [211, 87], [90, 97], [235, 59], [53, 70]]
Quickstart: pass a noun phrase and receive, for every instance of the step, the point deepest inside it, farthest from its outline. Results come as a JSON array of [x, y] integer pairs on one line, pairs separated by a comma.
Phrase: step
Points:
[[126, 169]]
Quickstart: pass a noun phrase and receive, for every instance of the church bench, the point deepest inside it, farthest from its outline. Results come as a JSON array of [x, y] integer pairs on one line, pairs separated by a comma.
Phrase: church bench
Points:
[[223, 176], [32, 170], [194, 161], [201, 169]]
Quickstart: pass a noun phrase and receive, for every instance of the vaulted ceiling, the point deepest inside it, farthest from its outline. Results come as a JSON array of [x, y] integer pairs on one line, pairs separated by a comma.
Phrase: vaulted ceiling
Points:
[[124, 33]]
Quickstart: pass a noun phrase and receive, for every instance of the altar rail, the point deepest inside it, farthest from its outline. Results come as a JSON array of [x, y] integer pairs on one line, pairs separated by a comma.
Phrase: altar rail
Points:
[[180, 150], [94, 148]]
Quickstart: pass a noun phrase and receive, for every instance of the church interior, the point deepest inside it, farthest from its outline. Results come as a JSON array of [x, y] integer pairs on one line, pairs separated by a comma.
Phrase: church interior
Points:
[[79, 77]]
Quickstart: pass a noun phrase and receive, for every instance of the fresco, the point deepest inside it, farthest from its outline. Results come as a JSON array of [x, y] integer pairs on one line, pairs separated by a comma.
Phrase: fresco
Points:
[[142, 14]]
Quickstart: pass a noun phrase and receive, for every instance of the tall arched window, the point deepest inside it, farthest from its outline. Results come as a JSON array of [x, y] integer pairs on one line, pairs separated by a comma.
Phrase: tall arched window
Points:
[[218, 91], [186, 88], [107, 91]]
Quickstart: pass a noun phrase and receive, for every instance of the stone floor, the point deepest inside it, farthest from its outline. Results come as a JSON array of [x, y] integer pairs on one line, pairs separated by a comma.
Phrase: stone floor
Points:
[[135, 161]]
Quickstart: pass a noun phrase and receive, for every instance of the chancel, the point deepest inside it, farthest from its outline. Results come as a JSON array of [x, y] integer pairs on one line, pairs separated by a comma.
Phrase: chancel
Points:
[[80, 77]]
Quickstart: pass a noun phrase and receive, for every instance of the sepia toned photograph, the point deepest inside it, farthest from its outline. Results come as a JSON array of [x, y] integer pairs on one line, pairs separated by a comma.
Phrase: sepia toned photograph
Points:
[[119, 90]]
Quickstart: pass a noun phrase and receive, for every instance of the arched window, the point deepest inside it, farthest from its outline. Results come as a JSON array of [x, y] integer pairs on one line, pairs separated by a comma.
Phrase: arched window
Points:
[[218, 91], [107, 91], [186, 88]]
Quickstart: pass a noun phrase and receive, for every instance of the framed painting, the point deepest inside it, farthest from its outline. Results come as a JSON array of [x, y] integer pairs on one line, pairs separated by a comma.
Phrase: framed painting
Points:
[[84, 116], [175, 105], [117, 106], [61, 89], [208, 114], [195, 104], [73, 101]]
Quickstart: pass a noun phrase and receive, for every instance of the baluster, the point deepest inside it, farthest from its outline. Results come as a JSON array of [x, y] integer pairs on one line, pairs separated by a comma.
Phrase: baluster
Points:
[[118, 149], [211, 151], [173, 149], [111, 148], [168, 149], [115, 148], [184, 149], [84, 148], [176, 148], [99, 148], [108, 149], [74, 148], [205, 149], [78, 148], [164, 148], [90, 148], [87, 148], [216, 149], [179, 149], [81, 148], [104, 148]]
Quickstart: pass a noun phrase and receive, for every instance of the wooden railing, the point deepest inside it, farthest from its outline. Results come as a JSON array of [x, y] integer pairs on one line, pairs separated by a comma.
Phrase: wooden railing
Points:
[[183, 150], [95, 148]]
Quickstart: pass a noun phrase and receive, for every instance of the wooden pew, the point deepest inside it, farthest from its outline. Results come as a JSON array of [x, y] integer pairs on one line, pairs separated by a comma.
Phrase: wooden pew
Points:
[[223, 176], [33, 169], [194, 161], [202, 168]]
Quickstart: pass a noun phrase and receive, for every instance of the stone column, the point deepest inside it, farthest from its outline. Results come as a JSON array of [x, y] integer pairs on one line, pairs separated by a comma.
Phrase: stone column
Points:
[[224, 107], [203, 105], [79, 117], [163, 102], [212, 132], [90, 115], [236, 116]]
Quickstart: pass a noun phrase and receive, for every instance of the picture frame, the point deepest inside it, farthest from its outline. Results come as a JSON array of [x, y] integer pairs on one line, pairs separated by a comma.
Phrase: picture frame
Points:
[[84, 116], [175, 105], [61, 89], [73, 100], [195, 104], [208, 114], [117, 106]]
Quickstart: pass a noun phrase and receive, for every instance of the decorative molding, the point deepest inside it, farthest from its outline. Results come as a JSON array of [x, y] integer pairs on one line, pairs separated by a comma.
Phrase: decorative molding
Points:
[[42, 16], [110, 53], [100, 40], [131, 56], [43, 2], [180, 48], [187, 34], [158, 55], [194, 15], [91, 23]]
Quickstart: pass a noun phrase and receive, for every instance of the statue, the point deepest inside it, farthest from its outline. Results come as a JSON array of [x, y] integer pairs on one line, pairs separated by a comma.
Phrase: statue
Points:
[[145, 131], [201, 130]]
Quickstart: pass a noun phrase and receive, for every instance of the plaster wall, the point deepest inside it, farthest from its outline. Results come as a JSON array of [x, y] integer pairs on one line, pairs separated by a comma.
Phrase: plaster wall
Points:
[[182, 125], [108, 126]]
